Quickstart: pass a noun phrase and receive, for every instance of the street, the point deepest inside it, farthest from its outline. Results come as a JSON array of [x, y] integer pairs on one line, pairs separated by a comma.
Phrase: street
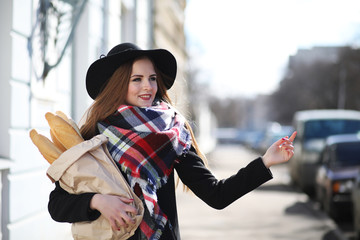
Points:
[[273, 211]]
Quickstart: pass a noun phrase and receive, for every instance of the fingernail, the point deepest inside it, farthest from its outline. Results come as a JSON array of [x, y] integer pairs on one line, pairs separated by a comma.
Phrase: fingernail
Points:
[[119, 229], [283, 138]]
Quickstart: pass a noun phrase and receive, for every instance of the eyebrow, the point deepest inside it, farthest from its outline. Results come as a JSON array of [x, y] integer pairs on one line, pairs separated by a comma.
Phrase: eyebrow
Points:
[[139, 75]]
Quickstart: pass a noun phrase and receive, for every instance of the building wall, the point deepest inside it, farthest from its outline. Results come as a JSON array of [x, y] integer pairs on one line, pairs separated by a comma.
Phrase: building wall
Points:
[[169, 34], [23, 104], [24, 100]]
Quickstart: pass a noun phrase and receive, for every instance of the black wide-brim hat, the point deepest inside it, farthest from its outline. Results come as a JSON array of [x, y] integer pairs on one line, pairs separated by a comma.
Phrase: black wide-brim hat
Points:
[[102, 69]]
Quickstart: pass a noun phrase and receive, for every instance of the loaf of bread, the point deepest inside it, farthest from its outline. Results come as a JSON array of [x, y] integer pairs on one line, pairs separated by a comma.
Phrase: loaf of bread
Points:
[[62, 115], [69, 120], [49, 151], [63, 131], [56, 141], [64, 134]]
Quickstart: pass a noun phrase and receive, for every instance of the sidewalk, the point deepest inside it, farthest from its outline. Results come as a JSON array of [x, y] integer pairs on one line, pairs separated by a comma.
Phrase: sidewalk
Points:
[[273, 211]]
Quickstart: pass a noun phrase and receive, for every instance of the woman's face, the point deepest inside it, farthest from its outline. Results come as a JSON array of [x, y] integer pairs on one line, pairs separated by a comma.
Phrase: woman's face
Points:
[[143, 84]]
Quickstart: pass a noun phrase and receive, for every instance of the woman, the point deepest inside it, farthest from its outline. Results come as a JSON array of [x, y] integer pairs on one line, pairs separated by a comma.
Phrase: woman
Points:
[[148, 139]]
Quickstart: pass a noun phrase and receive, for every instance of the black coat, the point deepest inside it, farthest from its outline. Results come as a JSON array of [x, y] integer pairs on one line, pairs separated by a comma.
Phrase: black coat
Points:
[[64, 207]]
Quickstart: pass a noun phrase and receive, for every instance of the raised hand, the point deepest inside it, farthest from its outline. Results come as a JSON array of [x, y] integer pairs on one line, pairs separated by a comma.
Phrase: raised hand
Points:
[[279, 152]]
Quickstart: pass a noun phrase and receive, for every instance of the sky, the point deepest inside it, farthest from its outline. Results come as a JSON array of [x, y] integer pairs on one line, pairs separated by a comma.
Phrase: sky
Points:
[[241, 48]]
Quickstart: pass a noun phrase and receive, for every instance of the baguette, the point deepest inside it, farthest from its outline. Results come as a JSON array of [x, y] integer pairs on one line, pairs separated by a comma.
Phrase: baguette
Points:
[[62, 115], [69, 120], [56, 141], [63, 131], [49, 151]]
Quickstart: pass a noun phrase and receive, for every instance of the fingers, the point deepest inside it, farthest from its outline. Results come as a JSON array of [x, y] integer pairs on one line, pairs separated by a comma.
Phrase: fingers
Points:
[[121, 221], [289, 148], [279, 142], [126, 200], [117, 210], [123, 217], [292, 137], [287, 145], [128, 208], [286, 141], [116, 224]]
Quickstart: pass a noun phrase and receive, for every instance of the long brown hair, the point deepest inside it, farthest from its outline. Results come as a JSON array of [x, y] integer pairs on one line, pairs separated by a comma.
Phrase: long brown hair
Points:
[[109, 99], [114, 94]]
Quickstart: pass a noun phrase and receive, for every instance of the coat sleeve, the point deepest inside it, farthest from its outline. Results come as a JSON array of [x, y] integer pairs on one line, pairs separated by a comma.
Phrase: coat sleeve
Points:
[[66, 207], [220, 193]]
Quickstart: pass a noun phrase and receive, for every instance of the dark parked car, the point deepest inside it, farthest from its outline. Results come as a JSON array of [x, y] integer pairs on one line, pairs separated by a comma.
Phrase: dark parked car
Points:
[[340, 164]]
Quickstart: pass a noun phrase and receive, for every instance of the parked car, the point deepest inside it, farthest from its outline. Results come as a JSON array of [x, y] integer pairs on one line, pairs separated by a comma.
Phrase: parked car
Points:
[[356, 207], [228, 136], [340, 164], [313, 126], [252, 139]]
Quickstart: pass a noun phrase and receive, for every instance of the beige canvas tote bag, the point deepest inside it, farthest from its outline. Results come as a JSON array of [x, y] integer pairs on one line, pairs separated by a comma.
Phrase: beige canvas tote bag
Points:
[[88, 167]]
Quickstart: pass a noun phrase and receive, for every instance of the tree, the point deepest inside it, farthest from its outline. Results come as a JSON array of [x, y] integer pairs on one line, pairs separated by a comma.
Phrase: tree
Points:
[[319, 78], [230, 112]]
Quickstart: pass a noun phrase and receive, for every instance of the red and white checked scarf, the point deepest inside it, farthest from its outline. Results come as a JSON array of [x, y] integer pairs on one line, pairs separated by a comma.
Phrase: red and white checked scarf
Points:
[[146, 142]]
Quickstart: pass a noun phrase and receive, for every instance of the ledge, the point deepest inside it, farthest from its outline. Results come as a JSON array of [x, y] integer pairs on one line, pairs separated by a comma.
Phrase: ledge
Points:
[[5, 164]]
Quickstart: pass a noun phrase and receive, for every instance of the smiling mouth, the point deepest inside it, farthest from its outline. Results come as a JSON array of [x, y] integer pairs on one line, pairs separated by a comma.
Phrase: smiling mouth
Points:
[[145, 97]]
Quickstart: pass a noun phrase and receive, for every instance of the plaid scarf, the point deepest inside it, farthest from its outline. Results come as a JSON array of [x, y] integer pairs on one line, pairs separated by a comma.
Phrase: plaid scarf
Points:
[[146, 142]]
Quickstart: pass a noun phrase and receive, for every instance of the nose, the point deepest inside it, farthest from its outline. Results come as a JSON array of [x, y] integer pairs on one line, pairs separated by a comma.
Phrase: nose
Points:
[[147, 84]]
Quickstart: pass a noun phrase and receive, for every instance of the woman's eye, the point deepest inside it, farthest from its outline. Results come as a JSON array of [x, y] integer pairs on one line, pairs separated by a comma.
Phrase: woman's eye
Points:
[[136, 79], [152, 78]]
